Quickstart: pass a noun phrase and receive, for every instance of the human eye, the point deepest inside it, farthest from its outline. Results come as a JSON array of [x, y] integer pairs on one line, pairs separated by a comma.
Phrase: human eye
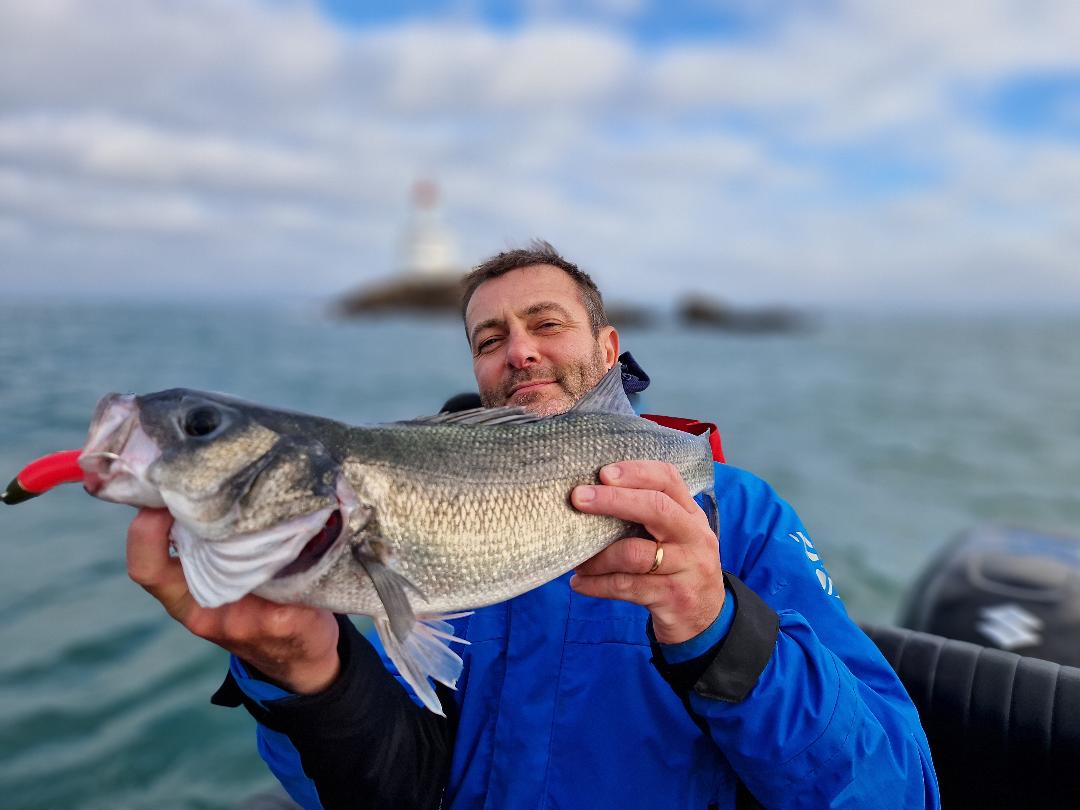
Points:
[[486, 344]]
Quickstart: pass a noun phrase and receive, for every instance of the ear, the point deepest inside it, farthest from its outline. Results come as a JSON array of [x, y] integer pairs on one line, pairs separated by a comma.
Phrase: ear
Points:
[[609, 345]]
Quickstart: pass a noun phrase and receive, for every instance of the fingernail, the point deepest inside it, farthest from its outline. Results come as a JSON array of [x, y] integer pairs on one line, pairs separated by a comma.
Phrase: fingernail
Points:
[[586, 494], [574, 581], [612, 471]]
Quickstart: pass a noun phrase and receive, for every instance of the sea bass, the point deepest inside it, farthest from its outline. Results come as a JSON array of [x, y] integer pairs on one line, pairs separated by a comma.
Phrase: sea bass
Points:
[[405, 522]]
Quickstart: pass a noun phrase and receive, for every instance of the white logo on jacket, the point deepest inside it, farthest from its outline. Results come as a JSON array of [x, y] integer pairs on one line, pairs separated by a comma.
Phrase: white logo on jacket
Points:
[[815, 559]]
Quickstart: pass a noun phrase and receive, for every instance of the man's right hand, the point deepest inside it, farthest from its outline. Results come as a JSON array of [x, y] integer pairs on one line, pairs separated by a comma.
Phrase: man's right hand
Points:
[[296, 646]]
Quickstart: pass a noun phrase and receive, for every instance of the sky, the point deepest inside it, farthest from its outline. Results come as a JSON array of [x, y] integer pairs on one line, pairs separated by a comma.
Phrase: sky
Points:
[[851, 153]]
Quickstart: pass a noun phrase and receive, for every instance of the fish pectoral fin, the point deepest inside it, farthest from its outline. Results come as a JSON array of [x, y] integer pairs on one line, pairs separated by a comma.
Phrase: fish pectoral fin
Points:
[[422, 653], [390, 587], [416, 645]]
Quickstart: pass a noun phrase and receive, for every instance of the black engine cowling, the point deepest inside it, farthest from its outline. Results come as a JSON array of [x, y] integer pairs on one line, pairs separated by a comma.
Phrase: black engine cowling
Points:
[[1009, 588]]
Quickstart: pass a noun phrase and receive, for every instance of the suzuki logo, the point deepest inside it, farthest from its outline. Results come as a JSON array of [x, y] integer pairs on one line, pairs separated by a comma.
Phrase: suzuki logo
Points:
[[1010, 626]]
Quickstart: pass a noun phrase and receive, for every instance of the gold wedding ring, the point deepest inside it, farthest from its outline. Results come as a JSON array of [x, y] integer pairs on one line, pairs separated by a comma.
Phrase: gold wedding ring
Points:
[[659, 558]]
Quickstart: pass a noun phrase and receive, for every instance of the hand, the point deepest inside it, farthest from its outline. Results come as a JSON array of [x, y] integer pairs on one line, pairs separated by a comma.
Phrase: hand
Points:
[[292, 644], [685, 594]]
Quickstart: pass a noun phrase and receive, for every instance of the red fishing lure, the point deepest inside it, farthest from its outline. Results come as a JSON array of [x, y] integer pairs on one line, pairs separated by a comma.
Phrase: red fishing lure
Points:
[[42, 475]]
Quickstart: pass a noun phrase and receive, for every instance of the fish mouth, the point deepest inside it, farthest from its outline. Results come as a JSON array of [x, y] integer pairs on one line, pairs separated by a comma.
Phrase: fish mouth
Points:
[[316, 548], [118, 453]]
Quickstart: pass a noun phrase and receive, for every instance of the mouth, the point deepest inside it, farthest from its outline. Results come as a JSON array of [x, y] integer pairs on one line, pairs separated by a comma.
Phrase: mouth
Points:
[[118, 453], [529, 386], [315, 548]]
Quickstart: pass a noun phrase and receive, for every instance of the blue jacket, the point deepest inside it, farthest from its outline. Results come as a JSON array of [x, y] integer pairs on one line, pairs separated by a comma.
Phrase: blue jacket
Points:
[[565, 702]]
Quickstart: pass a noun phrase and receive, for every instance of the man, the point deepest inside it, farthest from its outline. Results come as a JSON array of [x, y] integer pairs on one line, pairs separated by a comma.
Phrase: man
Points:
[[680, 686]]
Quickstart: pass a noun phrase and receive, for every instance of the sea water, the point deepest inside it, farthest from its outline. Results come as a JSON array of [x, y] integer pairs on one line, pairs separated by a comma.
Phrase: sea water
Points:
[[888, 434]]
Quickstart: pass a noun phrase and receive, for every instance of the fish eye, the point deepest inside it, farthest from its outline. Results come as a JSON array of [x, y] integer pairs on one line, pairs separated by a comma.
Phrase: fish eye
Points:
[[201, 421]]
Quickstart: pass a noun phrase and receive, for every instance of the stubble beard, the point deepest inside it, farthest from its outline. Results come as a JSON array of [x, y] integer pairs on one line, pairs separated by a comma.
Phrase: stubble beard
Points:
[[575, 380]]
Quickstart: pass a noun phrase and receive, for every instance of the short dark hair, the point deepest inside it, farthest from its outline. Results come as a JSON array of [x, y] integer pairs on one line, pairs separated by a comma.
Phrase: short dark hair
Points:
[[537, 252]]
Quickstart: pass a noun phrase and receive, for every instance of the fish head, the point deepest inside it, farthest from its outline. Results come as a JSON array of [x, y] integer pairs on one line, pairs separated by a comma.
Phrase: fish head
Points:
[[251, 502]]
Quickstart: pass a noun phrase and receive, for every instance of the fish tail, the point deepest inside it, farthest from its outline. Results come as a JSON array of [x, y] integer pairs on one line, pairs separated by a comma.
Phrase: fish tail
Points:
[[423, 653]]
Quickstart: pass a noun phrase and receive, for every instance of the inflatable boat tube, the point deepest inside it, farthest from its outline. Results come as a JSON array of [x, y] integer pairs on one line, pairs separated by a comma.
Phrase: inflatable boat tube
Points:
[[1004, 729]]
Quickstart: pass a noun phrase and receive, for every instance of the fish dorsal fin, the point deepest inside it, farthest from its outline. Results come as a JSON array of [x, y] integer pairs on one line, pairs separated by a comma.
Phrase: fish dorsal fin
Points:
[[508, 415], [607, 396]]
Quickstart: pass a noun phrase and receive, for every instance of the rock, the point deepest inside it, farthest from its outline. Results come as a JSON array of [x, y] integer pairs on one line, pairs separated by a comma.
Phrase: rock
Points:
[[414, 294], [701, 311]]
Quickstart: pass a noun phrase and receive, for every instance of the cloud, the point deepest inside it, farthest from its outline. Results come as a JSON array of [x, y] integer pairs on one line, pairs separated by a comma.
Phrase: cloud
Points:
[[827, 153]]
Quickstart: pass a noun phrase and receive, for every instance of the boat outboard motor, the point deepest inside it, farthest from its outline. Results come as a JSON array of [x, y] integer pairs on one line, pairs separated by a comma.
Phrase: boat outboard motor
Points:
[[1009, 588]]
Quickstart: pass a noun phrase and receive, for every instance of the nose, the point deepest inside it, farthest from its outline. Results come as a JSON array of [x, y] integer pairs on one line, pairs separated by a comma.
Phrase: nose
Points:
[[521, 349]]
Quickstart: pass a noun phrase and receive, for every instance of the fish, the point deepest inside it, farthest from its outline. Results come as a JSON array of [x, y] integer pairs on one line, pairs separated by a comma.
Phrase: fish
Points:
[[411, 523]]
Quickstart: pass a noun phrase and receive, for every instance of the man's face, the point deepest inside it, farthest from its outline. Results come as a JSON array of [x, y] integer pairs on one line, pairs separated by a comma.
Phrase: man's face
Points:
[[531, 341]]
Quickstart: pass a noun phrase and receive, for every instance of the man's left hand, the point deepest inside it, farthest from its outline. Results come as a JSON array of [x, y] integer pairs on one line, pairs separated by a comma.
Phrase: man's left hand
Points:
[[686, 591]]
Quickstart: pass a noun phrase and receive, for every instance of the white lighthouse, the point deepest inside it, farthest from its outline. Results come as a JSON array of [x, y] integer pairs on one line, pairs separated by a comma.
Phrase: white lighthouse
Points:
[[429, 274], [428, 248]]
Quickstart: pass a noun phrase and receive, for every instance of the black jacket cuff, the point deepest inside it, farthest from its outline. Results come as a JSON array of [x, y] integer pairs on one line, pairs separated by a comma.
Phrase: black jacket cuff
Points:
[[276, 714], [730, 668]]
